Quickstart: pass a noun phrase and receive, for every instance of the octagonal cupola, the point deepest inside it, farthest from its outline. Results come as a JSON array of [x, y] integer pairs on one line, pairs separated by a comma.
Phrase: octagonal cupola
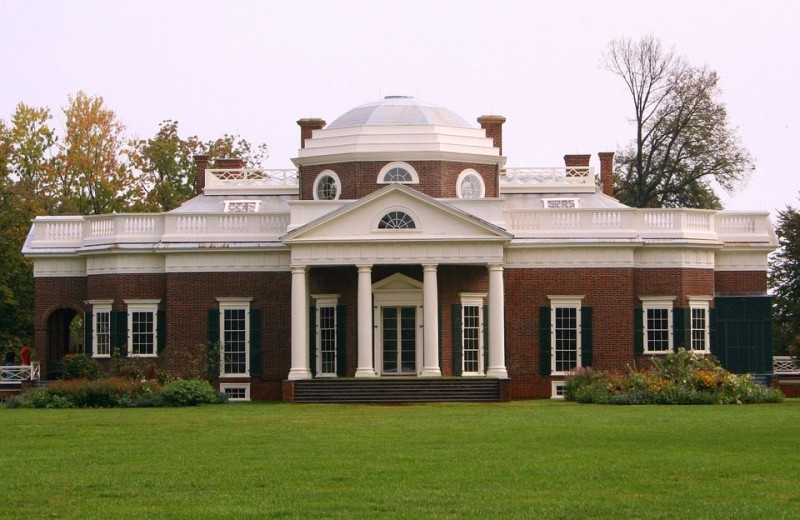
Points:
[[397, 139]]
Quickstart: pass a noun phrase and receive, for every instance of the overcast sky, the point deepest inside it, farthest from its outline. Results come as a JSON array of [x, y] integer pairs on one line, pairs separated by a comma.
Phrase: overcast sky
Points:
[[255, 67]]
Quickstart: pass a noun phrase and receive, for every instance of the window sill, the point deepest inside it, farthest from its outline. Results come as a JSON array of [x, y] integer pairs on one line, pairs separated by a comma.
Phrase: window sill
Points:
[[143, 355], [234, 376]]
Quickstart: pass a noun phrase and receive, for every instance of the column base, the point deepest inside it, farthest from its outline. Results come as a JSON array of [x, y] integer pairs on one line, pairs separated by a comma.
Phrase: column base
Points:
[[299, 373], [431, 372], [365, 372], [497, 372]]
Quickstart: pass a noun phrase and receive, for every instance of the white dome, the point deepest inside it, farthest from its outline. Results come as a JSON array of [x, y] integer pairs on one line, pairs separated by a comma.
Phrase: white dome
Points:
[[398, 111]]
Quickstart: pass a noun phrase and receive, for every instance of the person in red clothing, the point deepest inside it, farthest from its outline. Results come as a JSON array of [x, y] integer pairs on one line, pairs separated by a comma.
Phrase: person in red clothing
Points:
[[25, 354]]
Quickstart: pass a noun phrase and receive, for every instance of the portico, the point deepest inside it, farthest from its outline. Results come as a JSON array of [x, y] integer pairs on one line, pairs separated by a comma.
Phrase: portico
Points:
[[397, 318]]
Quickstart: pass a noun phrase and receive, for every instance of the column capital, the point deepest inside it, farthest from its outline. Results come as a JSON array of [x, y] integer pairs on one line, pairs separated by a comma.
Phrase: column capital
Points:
[[298, 268], [364, 268], [430, 267], [495, 267]]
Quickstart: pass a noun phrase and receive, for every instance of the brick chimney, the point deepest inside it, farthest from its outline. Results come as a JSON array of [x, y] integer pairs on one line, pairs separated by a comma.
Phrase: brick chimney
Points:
[[577, 161], [494, 129], [200, 165], [607, 172], [307, 126]]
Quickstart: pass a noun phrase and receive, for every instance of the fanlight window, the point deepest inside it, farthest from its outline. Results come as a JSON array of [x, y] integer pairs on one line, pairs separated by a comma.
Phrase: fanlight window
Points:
[[397, 175], [397, 220]]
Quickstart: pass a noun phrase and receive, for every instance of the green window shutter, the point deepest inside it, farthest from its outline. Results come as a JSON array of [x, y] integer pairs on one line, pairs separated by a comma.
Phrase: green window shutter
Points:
[[458, 351], [312, 340], [486, 337], [119, 332], [712, 331], [161, 330], [88, 322], [638, 331], [256, 355], [212, 325], [439, 346], [681, 328], [586, 336], [341, 341], [212, 335], [544, 341]]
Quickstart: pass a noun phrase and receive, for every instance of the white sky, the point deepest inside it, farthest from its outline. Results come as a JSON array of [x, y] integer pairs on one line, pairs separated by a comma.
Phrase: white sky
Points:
[[255, 67]]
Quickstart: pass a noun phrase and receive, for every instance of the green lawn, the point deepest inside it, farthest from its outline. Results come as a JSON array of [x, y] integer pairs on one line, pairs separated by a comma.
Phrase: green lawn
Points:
[[536, 459]]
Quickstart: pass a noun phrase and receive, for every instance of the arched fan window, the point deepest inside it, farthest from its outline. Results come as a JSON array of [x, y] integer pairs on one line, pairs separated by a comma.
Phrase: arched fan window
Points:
[[397, 220]]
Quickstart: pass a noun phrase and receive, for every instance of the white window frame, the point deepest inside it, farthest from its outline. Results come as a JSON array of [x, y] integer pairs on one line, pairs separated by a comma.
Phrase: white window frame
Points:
[[565, 302], [658, 303], [473, 300], [557, 389], [410, 169], [232, 304], [245, 386], [700, 303], [100, 307], [337, 182], [242, 206], [474, 173], [557, 203], [142, 306], [326, 301]]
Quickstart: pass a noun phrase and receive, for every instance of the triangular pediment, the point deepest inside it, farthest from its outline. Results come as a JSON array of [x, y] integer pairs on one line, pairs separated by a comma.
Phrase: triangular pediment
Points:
[[432, 220], [397, 282]]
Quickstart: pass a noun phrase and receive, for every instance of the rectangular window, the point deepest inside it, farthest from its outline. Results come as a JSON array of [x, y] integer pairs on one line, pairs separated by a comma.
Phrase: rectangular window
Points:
[[142, 333], [234, 335], [101, 327], [699, 329], [565, 333], [327, 339], [657, 322], [471, 316], [234, 349], [236, 391]]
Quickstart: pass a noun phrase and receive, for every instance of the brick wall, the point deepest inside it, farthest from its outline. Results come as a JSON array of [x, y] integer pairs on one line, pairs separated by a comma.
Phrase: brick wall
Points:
[[740, 283], [52, 294], [437, 179]]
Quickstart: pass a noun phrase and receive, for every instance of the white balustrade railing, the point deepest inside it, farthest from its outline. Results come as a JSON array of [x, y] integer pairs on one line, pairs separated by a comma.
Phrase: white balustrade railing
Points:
[[785, 365], [227, 226], [19, 373], [548, 175], [245, 179]]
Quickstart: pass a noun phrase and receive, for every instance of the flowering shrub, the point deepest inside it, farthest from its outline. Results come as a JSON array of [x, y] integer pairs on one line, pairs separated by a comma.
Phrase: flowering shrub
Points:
[[682, 377], [116, 392], [77, 366]]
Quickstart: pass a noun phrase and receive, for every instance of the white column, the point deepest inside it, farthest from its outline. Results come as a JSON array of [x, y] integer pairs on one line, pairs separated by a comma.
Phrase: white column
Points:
[[497, 333], [300, 358], [365, 367], [430, 323]]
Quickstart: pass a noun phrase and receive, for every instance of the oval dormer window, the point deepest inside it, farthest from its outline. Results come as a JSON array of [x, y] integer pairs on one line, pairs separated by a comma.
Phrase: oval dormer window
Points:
[[397, 220], [327, 186], [398, 172]]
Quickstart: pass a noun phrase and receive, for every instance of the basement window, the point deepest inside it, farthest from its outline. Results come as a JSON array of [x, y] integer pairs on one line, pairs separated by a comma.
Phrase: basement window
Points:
[[236, 391]]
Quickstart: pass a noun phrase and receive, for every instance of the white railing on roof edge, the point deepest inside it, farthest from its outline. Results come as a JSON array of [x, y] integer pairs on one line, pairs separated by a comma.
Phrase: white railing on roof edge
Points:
[[254, 177], [533, 176], [785, 365], [18, 373]]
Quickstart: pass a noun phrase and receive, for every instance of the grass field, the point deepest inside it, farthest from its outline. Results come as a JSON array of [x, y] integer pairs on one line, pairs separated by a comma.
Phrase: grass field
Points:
[[538, 459]]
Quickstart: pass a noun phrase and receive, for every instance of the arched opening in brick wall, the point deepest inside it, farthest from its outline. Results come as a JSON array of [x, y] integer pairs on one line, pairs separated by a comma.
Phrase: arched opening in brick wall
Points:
[[64, 335]]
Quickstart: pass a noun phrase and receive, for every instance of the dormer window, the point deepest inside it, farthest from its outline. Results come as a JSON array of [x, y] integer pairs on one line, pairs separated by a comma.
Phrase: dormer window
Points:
[[470, 185], [398, 172], [242, 206], [327, 186], [397, 220], [561, 203]]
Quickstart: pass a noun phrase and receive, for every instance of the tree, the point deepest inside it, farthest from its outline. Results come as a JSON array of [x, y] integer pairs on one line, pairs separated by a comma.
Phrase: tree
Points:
[[164, 164], [784, 278], [92, 179], [684, 144]]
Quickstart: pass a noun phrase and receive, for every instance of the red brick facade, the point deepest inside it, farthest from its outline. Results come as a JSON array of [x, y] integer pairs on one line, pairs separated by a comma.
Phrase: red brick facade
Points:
[[436, 178]]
